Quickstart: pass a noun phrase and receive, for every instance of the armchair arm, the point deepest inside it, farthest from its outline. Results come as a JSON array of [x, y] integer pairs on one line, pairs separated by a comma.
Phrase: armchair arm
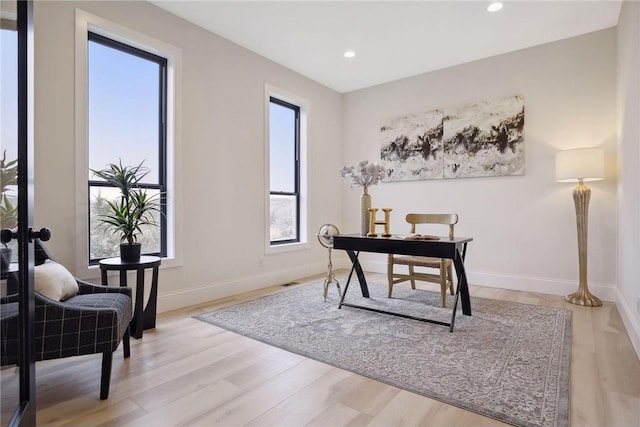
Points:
[[90, 288], [48, 309], [84, 324], [9, 298]]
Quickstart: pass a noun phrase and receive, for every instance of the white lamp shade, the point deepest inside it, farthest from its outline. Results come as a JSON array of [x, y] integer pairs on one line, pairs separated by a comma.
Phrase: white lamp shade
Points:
[[582, 163]]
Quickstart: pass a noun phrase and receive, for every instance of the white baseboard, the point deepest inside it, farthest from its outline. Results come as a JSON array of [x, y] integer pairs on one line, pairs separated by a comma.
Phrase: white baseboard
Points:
[[630, 322], [175, 300], [188, 297], [543, 285]]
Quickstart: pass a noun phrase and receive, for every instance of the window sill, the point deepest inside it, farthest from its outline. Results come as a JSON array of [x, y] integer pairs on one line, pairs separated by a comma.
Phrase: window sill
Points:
[[287, 247]]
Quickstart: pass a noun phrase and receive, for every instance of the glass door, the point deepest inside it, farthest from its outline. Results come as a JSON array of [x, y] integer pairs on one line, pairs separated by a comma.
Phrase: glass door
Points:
[[9, 372], [17, 370]]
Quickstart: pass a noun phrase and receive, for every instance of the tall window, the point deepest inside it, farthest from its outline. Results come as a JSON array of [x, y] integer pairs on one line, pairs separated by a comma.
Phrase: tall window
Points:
[[127, 90], [284, 167]]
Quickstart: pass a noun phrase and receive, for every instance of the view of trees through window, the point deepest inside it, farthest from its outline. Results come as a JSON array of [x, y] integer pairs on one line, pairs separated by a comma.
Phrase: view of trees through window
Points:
[[126, 123], [283, 218], [284, 137], [105, 243]]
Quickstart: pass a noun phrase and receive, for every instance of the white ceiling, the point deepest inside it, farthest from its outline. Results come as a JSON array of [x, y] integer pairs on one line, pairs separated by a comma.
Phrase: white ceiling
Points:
[[393, 39]]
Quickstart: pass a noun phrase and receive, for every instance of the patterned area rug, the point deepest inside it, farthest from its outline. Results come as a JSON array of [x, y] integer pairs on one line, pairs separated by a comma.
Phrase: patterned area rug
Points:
[[508, 361]]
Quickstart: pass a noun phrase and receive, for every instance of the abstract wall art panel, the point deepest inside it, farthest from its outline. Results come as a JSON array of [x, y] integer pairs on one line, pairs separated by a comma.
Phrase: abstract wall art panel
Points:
[[476, 140], [411, 147], [484, 139]]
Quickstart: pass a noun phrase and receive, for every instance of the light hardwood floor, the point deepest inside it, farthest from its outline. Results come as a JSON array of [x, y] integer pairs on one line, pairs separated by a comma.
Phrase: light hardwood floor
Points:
[[187, 372]]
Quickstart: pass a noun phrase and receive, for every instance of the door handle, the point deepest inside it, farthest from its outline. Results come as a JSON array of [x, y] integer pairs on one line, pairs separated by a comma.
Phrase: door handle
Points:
[[44, 234], [6, 235]]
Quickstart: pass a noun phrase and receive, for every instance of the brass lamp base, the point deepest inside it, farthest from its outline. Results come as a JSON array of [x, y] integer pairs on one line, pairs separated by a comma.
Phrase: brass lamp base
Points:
[[581, 196], [583, 297]]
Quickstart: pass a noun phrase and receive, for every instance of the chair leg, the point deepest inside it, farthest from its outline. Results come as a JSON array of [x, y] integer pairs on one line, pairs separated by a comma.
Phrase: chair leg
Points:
[[125, 343], [390, 274], [411, 272], [443, 282], [107, 358], [450, 275]]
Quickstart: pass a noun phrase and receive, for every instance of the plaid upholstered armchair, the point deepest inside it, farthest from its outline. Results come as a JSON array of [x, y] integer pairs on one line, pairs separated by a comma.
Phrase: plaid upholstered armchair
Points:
[[95, 320]]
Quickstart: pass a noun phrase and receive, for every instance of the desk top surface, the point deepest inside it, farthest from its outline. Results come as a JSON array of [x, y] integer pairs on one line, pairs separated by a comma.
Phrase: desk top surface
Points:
[[402, 238], [397, 244]]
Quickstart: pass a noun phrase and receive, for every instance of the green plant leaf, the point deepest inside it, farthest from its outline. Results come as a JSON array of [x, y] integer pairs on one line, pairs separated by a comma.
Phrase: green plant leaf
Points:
[[136, 208]]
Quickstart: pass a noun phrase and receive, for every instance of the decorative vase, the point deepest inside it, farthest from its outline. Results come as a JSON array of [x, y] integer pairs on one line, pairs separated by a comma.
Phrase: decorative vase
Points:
[[365, 204], [130, 252]]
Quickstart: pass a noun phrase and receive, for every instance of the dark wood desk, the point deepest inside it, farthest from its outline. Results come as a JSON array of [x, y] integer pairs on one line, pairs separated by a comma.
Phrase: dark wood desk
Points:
[[142, 318], [454, 249]]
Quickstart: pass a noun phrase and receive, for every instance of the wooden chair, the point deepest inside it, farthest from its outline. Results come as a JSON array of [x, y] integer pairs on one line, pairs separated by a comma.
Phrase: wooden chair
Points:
[[445, 276]]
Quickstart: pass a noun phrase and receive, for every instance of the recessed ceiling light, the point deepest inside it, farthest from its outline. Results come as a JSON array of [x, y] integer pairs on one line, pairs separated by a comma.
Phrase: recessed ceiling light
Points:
[[349, 54], [494, 7]]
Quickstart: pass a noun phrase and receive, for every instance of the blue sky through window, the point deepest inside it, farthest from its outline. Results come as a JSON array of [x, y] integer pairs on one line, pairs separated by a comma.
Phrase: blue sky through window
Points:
[[9, 93], [123, 109], [282, 148]]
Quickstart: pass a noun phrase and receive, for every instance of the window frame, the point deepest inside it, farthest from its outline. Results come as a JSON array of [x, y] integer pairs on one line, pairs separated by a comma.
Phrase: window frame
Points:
[[162, 62], [296, 178], [303, 217], [84, 22]]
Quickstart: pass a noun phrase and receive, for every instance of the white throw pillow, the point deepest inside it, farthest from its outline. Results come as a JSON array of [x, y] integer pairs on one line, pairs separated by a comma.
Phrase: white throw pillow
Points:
[[54, 281]]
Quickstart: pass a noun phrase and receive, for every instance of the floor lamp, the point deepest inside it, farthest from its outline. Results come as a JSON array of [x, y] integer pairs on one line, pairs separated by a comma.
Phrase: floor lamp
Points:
[[581, 165]]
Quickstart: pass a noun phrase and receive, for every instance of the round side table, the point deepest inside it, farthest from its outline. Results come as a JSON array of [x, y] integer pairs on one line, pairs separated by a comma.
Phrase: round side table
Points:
[[143, 318]]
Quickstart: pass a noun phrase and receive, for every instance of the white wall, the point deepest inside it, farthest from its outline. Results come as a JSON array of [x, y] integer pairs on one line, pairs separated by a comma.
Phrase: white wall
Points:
[[220, 160], [524, 227], [628, 292]]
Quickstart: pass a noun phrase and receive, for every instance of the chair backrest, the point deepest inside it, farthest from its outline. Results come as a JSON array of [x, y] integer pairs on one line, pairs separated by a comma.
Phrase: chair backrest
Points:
[[445, 219]]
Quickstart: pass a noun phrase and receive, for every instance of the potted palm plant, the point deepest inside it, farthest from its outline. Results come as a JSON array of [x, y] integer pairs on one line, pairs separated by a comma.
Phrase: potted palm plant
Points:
[[8, 212], [134, 209]]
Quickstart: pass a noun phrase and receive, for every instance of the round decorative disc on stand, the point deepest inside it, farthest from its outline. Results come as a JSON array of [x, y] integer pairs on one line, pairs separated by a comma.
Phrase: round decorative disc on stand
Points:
[[325, 237], [326, 233]]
